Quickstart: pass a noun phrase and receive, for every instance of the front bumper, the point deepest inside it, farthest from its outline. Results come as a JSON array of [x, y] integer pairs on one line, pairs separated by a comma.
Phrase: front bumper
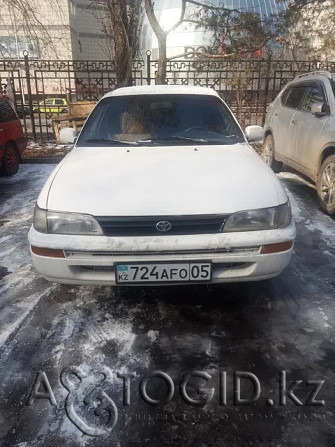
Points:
[[91, 259]]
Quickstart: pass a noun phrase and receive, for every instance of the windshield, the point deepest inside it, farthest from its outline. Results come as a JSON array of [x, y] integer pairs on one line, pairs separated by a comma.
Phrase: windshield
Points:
[[159, 120]]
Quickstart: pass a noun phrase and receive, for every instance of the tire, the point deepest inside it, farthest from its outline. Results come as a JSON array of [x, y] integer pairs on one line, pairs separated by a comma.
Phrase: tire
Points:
[[268, 154], [11, 160], [326, 185]]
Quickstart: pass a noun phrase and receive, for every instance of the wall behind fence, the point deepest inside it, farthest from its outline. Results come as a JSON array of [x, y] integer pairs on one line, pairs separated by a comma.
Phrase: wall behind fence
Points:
[[248, 86]]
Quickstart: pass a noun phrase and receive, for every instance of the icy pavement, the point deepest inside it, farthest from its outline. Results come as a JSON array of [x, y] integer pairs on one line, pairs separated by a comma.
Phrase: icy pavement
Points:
[[81, 337]]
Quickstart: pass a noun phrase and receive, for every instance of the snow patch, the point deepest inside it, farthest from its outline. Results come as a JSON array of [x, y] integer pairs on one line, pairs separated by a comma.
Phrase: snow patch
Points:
[[153, 335], [4, 239], [328, 232], [119, 332], [8, 329]]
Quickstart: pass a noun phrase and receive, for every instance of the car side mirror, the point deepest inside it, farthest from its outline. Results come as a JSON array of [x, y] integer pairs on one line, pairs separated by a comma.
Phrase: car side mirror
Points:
[[68, 135], [254, 133], [319, 109]]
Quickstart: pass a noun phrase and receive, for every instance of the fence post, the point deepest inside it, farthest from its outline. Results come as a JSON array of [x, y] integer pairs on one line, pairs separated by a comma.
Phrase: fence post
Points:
[[266, 89], [30, 99], [148, 67]]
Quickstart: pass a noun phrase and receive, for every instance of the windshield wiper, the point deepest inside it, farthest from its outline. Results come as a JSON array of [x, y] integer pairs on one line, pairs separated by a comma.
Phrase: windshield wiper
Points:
[[110, 140], [159, 140], [174, 137]]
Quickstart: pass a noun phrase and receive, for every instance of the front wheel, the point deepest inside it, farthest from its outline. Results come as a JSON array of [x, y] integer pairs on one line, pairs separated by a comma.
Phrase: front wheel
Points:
[[268, 154], [11, 160], [326, 185]]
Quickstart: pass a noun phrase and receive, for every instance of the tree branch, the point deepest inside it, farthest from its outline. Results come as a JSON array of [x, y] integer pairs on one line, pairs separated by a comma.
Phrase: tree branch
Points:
[[181, 18]]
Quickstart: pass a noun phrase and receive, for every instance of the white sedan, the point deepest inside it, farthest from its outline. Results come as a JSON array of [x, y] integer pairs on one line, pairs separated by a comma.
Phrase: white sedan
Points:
[[161, 187]]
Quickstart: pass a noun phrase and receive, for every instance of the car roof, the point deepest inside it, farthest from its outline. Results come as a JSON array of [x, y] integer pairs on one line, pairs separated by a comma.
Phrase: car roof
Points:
[[314, 75], [162, 90]]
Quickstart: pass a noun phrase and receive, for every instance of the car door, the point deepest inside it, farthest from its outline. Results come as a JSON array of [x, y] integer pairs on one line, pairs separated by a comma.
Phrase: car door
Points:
[[59, 103], [4, 129], [283, 121], [10, 126], [9, 122], [307, 130], [46, 108]]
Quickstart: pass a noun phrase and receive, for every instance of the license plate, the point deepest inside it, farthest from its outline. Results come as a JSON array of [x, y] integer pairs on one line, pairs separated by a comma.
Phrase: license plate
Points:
[[163, 273]]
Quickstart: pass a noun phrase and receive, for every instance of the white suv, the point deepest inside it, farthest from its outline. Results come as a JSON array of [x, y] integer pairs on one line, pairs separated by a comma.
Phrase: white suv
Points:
[[300, 132]]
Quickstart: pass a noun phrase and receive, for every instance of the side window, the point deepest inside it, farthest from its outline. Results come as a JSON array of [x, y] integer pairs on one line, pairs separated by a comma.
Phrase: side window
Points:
[[58, 102], [6, 112], [285, 94], [48, 102], [332, 84], [295, 96], [313, 95]]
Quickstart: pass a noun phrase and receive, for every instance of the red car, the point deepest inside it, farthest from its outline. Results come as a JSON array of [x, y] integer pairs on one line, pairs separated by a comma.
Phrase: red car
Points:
[[12, 141]]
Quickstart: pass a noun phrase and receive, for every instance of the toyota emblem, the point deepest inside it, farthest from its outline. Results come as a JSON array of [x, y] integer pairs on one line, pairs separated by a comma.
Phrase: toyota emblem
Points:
[[163, 226]]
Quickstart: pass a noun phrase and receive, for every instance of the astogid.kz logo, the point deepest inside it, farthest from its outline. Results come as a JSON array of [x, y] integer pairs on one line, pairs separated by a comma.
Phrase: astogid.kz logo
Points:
[[90, 408]]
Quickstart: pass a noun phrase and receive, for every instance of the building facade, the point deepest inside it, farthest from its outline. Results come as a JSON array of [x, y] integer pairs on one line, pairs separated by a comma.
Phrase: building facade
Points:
[[51, 29]]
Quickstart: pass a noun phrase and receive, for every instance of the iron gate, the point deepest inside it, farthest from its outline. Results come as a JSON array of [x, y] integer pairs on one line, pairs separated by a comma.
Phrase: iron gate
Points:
[[247, 86]]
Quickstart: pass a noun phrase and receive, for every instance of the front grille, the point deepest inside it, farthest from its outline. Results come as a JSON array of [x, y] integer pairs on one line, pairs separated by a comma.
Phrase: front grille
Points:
[[221, 266], [146, 226], [211, 251]]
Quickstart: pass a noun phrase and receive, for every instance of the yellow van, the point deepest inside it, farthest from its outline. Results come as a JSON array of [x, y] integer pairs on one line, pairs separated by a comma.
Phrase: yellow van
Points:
[[52, 105]]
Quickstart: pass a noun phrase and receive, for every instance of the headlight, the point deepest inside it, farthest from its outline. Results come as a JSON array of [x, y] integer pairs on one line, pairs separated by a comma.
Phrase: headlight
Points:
[[284, 215], [40, 219], [65, 223], [261, 219]]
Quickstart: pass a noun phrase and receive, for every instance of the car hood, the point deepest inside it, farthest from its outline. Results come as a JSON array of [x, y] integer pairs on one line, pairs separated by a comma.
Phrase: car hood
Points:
[[162, 180]]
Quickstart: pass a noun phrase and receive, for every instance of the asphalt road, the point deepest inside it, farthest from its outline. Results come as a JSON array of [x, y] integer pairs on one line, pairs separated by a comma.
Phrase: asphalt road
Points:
[[61, 348]]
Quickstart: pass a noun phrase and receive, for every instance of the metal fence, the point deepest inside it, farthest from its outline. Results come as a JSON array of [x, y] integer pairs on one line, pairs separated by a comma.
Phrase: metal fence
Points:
[[248, 86]]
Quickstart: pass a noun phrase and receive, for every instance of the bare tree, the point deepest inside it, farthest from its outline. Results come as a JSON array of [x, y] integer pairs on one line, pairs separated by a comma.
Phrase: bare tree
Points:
[[308, 29], [121, 23], [234, 33], [27, 20], [162, 34]]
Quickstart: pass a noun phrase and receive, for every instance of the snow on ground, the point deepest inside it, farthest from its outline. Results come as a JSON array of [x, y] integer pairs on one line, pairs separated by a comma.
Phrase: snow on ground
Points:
[[45, 149], [16, 210], [303, 212], [286, 323], [27, 184]]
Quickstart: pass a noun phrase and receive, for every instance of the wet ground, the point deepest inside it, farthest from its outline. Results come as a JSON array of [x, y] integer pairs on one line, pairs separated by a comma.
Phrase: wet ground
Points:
[[101, 366]]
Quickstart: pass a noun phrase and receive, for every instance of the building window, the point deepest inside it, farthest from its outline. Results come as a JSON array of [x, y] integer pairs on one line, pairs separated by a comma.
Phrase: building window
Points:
[[72, 8], [15, 46]]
